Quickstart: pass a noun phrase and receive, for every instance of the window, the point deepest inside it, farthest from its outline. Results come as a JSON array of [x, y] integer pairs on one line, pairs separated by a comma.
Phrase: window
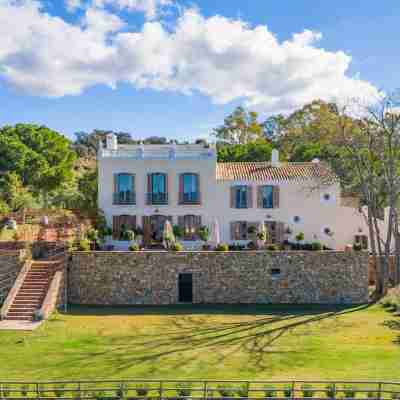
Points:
[[124, 189], [191, 225], [296, 219], [158, 193], [241, 197], [267, 197], [190, 189]]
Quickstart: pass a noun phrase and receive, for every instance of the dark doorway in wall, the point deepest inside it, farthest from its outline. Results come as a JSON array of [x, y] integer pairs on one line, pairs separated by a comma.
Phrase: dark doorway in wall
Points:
[[185, 287]]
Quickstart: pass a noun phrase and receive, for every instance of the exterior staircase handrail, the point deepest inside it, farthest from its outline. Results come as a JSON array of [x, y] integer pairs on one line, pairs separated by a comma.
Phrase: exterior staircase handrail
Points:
[[50, 301]]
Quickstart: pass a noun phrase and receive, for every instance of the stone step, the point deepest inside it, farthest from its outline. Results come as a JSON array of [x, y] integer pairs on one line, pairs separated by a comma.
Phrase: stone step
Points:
[[26, 314], [33, 301], [18, 318], [22, 309]]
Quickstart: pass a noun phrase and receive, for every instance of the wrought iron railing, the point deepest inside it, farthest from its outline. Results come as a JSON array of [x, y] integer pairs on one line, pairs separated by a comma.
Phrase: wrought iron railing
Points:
[[124, 198], [200, 389], [157, 198]]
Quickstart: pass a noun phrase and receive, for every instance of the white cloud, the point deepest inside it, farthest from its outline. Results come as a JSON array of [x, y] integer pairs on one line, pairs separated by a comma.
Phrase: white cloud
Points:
[[221, 58], [73, 5]]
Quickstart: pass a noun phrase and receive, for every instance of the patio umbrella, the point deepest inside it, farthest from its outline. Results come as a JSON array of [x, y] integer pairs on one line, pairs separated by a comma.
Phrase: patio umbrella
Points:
[[262, 229], [168, 234], [215, 234]]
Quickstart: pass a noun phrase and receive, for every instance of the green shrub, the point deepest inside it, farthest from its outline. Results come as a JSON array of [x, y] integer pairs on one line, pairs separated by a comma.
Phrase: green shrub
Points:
[[84, 245], [222, 247], [127, 235], [299, 237], [178, 231], [349, 391], [177, 247], [372, 395], [100, 395], [121, 391], [330, 391], [204, 233], [134, 247], [269, 391], [184, 389], [24, 390], [273, 247], [252, 245], [141, 390], [262, 236], [287, 391], [307, 390], [92, 235], [6, 391], [59, 390], [357, 246], [42, 390], [316, 246], [225, 391], [243, 391]]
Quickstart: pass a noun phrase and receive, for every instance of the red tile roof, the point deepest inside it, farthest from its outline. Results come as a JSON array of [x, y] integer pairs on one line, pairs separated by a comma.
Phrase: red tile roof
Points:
[[263, 171]]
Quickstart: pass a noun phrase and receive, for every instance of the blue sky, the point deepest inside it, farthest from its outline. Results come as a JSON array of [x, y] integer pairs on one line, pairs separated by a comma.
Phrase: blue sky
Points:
[[62, 79]]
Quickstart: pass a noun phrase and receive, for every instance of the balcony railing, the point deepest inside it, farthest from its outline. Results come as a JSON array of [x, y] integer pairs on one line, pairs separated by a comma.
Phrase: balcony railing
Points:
[[190, 198], [157, 198], [124, 198]]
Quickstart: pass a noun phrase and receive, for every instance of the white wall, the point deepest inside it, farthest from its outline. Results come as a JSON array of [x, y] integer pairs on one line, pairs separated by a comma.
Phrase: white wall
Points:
[[296, 199]]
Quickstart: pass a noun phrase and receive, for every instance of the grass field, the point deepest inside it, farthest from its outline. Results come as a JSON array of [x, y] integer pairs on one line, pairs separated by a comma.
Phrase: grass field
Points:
[[246, 342]]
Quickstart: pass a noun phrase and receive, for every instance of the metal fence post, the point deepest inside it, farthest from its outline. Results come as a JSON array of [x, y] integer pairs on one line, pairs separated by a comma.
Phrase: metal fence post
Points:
[[380, 391], [161, 390], [205, 390]]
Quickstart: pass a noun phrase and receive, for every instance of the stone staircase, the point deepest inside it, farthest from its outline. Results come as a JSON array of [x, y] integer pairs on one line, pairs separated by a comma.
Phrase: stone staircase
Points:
[[32, 292]]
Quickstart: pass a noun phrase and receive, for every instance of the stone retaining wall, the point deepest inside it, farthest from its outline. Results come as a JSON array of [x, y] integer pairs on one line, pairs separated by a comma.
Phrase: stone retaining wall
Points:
[[11, 261], [117, 278]]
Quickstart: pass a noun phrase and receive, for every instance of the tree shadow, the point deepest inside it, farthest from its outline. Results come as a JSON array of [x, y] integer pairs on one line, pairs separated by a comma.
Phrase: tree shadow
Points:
[[197, 329], [393, 324]]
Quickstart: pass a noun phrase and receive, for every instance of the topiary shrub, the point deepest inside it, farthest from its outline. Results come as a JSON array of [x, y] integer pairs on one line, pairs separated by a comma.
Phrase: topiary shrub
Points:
[[243, 391], [330, 391], [222, 247], [349, 391], [84, 245], [287, 391], [176, 247], [316, 246], [272, 247], [357, 246], [225, 391], [134, 247], [141, 390], [269, 391], [307, 390], [184, 389], [178, 231]]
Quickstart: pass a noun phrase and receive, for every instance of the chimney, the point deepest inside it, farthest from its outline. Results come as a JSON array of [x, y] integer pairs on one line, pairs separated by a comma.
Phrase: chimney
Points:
[[111, 142], [275, 158]]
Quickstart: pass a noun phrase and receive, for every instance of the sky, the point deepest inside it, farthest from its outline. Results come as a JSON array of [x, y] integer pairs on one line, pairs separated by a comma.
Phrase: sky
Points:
[[176, 68]]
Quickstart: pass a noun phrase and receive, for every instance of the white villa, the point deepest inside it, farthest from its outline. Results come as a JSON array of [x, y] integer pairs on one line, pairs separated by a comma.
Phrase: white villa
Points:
[[144, 185]]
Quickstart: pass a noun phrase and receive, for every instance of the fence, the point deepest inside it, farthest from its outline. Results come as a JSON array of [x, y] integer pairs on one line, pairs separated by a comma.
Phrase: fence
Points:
[[199, 389]]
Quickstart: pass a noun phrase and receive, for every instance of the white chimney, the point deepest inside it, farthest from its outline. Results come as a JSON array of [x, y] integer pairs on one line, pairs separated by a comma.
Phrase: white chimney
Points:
[[111, 141], [275, 158]]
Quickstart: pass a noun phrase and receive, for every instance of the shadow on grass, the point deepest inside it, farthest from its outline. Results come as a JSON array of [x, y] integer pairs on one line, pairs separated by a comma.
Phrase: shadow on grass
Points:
[[195, 332], [210, 309]]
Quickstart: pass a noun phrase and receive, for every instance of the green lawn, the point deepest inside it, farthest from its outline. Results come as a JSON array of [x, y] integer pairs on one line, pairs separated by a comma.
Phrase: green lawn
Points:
[[251, 342]]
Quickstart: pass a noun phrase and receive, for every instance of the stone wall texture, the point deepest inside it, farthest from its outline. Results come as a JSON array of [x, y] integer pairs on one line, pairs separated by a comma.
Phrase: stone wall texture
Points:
[[11, 261], [122, 278]]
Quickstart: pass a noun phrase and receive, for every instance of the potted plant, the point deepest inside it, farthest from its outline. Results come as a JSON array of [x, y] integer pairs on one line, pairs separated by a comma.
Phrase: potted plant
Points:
[[357, 246], [108, 234], [134, 247], [178, 231], [299, 238], [222, 247], [204, 233], [176, 247]]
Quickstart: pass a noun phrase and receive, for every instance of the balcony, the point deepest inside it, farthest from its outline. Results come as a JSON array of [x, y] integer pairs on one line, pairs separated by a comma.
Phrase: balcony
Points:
[[157, 198], [190, 198], [124, 198]]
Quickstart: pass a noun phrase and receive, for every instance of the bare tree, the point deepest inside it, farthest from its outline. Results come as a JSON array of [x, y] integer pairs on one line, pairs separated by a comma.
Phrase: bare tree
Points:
[[369, 160]]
